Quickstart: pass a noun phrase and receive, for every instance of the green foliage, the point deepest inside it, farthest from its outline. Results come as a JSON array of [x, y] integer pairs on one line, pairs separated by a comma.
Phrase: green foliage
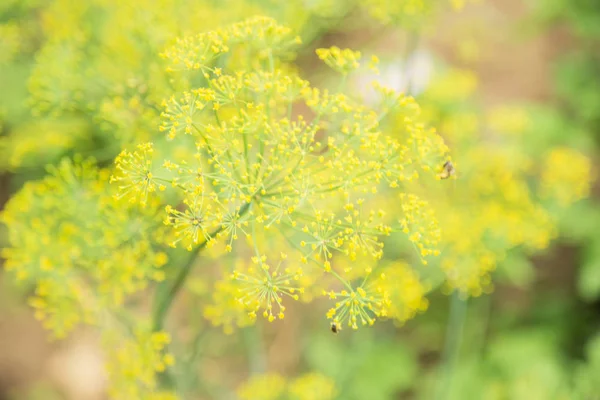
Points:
[[362, 366]]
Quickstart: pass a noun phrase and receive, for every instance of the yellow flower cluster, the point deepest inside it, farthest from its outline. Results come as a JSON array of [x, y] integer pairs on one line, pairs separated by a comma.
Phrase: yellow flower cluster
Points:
[[35, 142], [508, 119], [133, 364], [566, 174], [252, 151], [493, 205], [361, 305], [394, 11], [507, 215], [262, 35], [264, 287], [225, 309], [270, 386], [405, 290], [409, 14], [261, 169], [108, 70], [343, 61], [84, 251], [312, 386], [263, 387], [135, 171], [420, 224]]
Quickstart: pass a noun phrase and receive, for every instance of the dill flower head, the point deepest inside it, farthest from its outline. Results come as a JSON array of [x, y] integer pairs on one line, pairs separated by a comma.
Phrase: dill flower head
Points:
[[87, 251], [276, 160], [264, 286], [360, 306], [134, 173]]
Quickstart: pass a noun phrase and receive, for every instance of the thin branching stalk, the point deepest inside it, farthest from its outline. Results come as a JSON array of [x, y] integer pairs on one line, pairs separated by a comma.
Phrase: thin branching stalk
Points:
[[454, 333]]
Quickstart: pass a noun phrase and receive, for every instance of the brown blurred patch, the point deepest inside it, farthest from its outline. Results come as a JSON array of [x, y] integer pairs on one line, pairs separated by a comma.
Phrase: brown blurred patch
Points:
[[513, 62], [23, 345]]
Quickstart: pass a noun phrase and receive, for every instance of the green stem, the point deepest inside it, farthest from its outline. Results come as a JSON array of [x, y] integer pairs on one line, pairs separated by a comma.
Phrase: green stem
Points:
[[166, 294], [458, 313], [217, 117], [252, 337], [343, 82], [289, 111]]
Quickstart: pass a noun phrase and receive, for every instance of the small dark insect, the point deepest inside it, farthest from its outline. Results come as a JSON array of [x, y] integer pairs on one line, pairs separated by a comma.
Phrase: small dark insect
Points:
[[334, 328], [448, 170]]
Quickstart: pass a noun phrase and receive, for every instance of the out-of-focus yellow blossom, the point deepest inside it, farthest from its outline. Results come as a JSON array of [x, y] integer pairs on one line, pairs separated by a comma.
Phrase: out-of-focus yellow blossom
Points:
[[460, 126], [457, 85], [42, 140], [373, 63], [109, 69], [225, 310], [271, 386], [261, 171], [566, 175], [508, 119], [493, 206], [54, 91], [263, 387], [343, 61], [394, 11], [84, 251], [133, 365], [312, 386], [488, 212], [410, 14], [460, 4], [405, 290]]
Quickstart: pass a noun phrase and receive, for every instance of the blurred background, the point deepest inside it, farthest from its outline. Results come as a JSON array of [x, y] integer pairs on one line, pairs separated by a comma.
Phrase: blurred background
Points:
[[521, 76]]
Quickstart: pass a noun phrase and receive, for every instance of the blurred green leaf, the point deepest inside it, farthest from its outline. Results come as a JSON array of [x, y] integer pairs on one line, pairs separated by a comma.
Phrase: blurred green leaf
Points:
[[517, 269], [366, 367], [387, 369], [588, 282], [587, 376]]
